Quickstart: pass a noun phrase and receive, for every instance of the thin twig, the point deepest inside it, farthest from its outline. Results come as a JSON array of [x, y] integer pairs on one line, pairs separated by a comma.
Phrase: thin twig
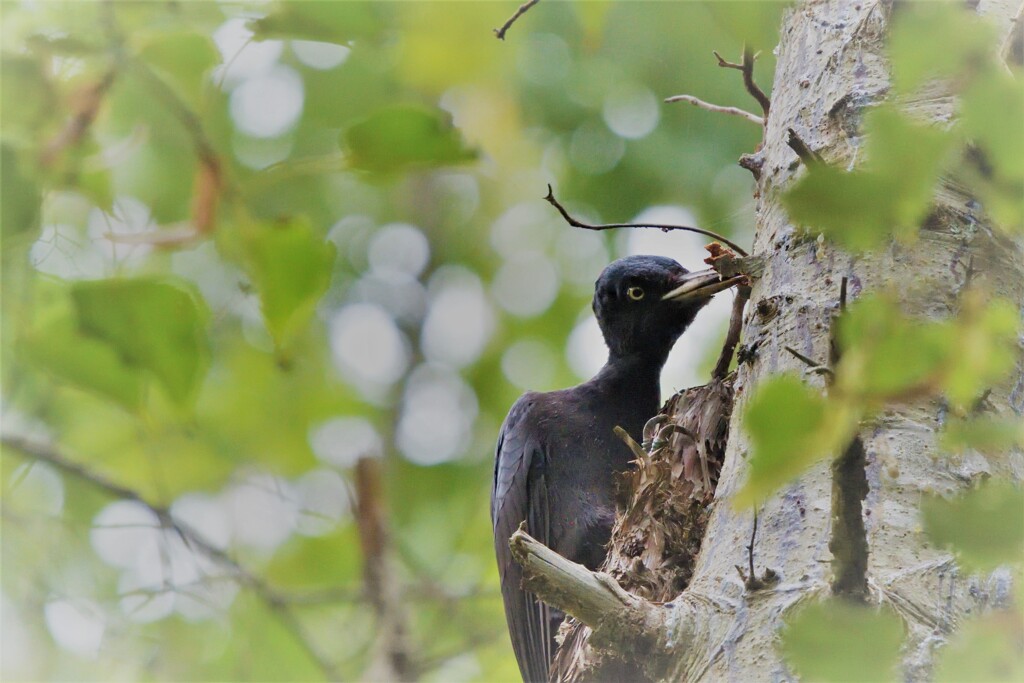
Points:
[[746, 67], [664, 228], [277, 603], [732, 337], [500, 32], [806, 360], [719, 109], [85, 110]]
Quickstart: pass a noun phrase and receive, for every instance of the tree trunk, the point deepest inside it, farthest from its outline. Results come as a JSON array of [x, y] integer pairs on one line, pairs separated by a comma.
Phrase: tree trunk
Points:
[[831, 66]]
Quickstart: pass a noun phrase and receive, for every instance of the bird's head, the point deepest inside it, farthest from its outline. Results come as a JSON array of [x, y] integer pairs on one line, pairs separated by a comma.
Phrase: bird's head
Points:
[[644, 303]]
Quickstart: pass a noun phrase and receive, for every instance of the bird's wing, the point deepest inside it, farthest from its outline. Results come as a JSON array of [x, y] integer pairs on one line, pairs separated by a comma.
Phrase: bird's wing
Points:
[[520, 493]]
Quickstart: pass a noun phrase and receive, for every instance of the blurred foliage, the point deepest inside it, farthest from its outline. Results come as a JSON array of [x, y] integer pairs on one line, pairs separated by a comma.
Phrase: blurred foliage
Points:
[[244, 244], [984, 526], [837, 641], [885, 357]]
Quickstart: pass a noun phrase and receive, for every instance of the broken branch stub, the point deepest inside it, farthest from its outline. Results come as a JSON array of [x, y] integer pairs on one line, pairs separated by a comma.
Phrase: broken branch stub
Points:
[[618, 618]]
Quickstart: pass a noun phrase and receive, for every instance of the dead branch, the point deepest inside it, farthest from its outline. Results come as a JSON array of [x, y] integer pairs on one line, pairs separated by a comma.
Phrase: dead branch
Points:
[[663, 227], [718, 109], [86, 105], [809, 157], [523, 9], [391, 660], [732, 337], [594, 598], [746, 67]]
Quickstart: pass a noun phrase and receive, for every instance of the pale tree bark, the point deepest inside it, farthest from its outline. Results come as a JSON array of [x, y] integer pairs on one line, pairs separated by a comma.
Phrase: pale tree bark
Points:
[[831, 67]]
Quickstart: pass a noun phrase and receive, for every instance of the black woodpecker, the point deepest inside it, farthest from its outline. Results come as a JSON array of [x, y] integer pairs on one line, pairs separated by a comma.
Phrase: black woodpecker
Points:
[[557, 456]]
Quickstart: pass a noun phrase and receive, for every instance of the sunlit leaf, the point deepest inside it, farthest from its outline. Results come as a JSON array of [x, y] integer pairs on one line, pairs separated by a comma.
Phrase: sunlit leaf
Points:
[[20, 200], [986, 347], [935, 40], [889, 197], [329, 22], [153, 325], [59, 348], [405, 136], [984, 526], [986, 434], [992, 108], [291, 268], [27, 99], [790, 426], [838, 641], [753, 23], [852, 208], [183, 59], [988, 649], [886, 353]]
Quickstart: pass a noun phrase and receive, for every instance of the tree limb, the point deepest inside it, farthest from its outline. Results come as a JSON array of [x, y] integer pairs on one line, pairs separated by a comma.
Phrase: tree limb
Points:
[[391, 659], [278, 604], [663, 227], [746, 67], [500, 32], [719, 109], [594, 598]]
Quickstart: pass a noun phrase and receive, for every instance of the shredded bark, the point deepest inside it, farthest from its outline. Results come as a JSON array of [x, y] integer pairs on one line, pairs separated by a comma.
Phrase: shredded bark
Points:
[[657, 537]]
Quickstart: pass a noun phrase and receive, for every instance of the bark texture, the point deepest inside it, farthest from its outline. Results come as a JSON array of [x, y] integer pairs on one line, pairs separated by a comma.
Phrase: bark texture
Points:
[[831, 67]]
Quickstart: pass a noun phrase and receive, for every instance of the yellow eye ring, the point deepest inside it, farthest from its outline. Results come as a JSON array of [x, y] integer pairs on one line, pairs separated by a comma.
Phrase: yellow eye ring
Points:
[[635, 293]]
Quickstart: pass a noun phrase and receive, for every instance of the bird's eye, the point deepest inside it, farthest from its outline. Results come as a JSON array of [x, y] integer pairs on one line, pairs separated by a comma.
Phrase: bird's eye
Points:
[[635, 293]]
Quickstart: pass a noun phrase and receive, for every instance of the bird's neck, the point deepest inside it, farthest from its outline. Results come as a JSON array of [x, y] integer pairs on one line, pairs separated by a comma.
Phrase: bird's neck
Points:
[[633, 373]]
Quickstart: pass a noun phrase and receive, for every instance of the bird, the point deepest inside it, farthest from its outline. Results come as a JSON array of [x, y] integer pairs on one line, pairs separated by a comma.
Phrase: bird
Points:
[[557, 456]]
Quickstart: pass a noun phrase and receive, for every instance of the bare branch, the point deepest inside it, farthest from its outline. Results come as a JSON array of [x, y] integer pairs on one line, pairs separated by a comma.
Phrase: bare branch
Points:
[[732, 337], [809, 157], [719, 109], [746, 67], [664, 228], [391, 660], [500, 32], [595, 598], [276, 602], [86, 106]]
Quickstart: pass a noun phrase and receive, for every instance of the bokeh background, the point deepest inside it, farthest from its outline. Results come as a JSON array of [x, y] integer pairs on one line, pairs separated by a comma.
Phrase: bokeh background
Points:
[[425, 285]]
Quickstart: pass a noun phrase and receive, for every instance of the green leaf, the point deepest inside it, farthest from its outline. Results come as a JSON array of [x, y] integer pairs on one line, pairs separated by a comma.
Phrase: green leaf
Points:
[[984, 526], [399, 137], [328, 22], [936, 40], [886, 353], [752, 23], [992, 110], [153, 325], [890, 196], [986, 434], [183, 59], [20, 201], [291, 268], [59, 348], [985, 650], [27, 99], [986, 347], [839, 641], [790, 426]]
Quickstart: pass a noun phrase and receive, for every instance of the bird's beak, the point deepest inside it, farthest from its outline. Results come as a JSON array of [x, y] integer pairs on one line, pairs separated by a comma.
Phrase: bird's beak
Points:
[[702, 284]]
